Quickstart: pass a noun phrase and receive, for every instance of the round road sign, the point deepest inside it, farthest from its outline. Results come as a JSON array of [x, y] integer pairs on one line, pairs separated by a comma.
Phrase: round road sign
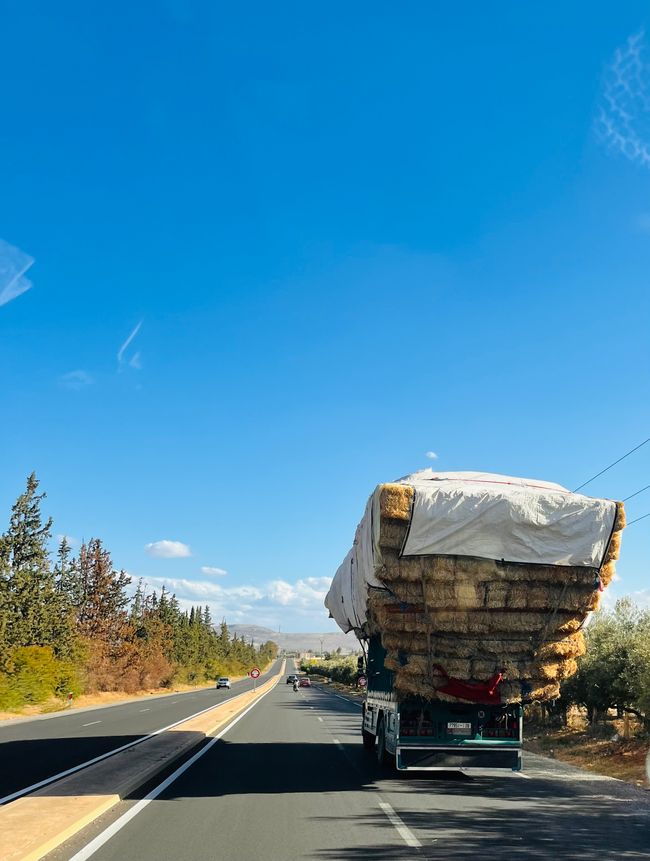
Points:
[[254, 673], [362, 681]]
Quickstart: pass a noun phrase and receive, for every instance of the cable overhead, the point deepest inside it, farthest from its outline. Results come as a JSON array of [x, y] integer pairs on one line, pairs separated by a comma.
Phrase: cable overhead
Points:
[[627, 454], [636, 493], [636, 520]]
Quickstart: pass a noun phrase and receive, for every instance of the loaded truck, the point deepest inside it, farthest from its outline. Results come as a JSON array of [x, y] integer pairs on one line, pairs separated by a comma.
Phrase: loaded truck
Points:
[[413, 733], [468, 592]]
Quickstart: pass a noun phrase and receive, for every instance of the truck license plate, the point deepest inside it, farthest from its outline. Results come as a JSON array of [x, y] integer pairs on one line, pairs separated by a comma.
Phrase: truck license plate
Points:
[[456, 728]]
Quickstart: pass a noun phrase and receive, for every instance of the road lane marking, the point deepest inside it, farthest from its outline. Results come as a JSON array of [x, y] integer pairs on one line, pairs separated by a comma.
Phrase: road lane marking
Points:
[[89, 850], [91, 723], [320, 719], [346, 700], [47, 780], [145, 710], [404, 832], [521, 774]]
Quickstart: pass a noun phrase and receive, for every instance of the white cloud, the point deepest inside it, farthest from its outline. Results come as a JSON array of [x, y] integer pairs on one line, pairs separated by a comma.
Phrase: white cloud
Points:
[[298, 604], [641, 598], [431, 455], [13, 265], [168, 549], [211, 571], [303, 593], [623, 122], [134, 362], [76, 380]]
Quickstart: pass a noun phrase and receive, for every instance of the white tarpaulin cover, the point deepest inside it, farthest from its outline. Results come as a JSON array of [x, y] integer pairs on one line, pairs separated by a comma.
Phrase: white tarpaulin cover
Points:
[[476, 514]]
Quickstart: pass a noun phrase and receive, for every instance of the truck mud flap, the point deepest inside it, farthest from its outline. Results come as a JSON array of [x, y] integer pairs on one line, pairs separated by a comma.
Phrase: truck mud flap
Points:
[[446, 759]]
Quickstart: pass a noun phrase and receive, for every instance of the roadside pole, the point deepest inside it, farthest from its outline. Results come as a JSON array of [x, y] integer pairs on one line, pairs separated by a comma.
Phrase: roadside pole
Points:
[[254, 674]]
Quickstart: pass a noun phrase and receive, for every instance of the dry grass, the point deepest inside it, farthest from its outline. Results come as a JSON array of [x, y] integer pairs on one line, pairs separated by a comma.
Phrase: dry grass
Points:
[[105, 698], [624, 759]]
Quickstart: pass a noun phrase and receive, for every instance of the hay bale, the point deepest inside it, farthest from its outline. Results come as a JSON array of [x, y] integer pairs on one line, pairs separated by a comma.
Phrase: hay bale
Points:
[[572, 646], [392, 534], [475, 616], [395, 501], [452, 569], [621, 520], [537, 690]]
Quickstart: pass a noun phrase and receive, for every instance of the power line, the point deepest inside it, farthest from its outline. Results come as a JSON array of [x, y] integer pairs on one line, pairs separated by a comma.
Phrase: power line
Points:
[[627, 454], [637, 493], [636, 520]]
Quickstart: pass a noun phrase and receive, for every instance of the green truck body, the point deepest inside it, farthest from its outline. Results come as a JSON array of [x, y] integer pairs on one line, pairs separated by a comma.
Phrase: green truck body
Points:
[[419, 734]]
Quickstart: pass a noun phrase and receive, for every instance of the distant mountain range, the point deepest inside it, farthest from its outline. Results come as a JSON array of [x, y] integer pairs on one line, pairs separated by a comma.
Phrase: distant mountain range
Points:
[[328, 642]]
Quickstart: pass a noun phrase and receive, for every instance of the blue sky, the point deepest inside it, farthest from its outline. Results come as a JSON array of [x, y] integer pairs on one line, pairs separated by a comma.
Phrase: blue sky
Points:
[[341, 236]]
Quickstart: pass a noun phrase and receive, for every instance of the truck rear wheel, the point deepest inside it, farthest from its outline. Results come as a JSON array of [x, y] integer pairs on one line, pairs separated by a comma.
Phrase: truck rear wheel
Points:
[[381, 743]]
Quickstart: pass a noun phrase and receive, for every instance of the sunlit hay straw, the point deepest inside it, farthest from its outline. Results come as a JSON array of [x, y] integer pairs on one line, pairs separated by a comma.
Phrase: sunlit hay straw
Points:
[[621, 519], [607, 573], [572, 646], [395, 501]]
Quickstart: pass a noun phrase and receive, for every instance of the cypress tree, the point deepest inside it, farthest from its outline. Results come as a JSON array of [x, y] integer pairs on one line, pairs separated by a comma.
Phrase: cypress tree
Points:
[[35, 612]]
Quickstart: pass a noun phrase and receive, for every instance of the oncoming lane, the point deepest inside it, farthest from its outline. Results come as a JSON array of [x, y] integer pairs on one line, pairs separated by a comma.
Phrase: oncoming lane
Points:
[[34, 751]]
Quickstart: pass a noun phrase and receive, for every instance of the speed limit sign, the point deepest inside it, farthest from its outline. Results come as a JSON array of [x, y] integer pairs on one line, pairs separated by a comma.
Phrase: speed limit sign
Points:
[[254, 673]]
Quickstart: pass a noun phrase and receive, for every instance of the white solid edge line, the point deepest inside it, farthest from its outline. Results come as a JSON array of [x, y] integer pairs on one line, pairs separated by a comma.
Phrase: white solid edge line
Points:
[[92, 847], [61, 774], [404, 832]]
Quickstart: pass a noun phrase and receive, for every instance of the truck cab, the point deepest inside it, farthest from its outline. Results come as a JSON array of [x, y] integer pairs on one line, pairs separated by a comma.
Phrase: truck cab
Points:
[[414, 733]]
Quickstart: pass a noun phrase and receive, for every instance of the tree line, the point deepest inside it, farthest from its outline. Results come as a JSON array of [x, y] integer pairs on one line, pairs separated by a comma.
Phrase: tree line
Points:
[[71, 625], [613, 676]]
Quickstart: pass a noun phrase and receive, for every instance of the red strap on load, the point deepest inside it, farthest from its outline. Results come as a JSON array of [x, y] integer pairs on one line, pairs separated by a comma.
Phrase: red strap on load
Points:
[[486, 693]]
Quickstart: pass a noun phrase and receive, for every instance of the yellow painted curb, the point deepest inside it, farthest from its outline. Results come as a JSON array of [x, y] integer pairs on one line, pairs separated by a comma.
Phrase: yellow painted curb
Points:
[[34, 825]]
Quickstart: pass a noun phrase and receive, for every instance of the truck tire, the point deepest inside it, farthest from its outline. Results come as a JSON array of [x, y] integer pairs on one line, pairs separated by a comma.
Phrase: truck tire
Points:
[[381, 743], [385, 759]]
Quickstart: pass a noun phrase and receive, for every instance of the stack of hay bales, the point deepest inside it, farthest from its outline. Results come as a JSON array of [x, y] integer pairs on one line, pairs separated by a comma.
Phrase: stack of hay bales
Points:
[[468, 617]]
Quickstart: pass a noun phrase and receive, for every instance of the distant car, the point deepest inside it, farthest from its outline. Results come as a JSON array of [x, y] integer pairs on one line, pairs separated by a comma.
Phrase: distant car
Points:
[[304, 683], [291, 679], [223, 683]]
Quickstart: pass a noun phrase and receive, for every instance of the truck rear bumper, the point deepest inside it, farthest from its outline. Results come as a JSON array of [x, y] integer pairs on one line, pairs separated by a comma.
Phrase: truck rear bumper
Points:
[[413, 758]]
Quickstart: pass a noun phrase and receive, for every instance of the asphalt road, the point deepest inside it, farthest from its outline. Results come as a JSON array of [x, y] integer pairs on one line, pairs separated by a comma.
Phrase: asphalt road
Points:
[[31, 751], [291, 781]]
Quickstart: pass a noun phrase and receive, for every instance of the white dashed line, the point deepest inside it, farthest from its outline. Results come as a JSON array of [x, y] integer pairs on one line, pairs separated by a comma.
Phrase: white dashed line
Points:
[[91, 723], [320, 719], [405, 833], [145, 710]]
